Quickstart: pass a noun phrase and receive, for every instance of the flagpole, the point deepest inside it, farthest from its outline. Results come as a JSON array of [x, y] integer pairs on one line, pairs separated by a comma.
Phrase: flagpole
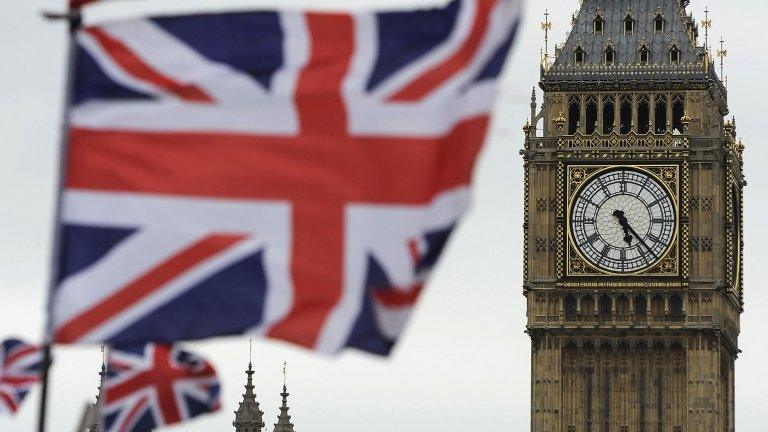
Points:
[[74, 19]]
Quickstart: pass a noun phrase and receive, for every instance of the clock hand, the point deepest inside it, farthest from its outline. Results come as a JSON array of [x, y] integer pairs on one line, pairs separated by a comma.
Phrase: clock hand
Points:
[[655, 257], [624, 225]]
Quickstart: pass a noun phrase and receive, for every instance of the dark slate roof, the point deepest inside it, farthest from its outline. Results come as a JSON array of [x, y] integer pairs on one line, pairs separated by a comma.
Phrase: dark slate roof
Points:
[[626, 66]]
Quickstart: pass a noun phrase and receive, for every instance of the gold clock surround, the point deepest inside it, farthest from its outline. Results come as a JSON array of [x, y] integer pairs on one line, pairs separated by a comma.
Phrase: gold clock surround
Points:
[[668, 264]]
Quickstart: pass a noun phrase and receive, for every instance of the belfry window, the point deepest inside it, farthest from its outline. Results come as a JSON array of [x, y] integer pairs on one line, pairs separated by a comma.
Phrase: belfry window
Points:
[[599, 25], [609, 115], [581, 56], [643, 116], [610, 55], [629, 25], [626, 116], [644, 55], [658, 24], [674, 55], [678, 111], [574, 115], [591, 115], [660, 120]]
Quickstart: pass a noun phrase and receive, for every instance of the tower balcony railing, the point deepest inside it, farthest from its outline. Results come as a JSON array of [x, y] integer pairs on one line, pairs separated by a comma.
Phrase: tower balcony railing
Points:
[[615, 140], [612, 72]]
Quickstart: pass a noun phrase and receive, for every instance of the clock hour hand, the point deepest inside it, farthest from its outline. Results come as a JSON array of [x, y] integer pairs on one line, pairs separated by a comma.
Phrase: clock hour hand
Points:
[[624, 225]]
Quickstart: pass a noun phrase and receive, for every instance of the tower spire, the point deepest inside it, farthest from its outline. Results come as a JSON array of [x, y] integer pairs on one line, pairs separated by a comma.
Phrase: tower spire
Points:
[[284, 419], [546, 26], [249, 417], [707, 24], [722, 53], [94, 410]]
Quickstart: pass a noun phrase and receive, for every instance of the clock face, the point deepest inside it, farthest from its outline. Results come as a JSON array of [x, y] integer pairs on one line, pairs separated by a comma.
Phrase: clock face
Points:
[[623, 221]]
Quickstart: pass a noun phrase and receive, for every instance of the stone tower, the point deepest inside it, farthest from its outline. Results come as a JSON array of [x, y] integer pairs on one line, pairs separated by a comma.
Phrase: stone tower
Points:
[[284, 419], [249, 417], [633, 240]]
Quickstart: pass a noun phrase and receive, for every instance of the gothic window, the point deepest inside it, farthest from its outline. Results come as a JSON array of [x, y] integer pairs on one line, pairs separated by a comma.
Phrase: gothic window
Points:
[[610, 55], [599, 25], [695, 246], [676, 308], [541, 205], [626, 115], [609, 115], [657, 308], [552, 245], [695, 202], [658, 24], [641, 306], [643, 115], [660, 119], [706, 244], [629, 25], [541, 244], [678, 111], [622, 308], [587, 307], [605, 308], [570, 307], [574, 114], [706, 203], [591, 125], [644, 55], [580, 55], [674, 55]]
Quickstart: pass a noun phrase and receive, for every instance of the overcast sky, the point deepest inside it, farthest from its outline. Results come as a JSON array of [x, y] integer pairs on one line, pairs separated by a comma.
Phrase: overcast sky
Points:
[[464, 363]]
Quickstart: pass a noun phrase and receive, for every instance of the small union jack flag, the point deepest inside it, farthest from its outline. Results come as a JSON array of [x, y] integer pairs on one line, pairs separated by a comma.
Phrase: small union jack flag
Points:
[[19, 371], [152, 385]]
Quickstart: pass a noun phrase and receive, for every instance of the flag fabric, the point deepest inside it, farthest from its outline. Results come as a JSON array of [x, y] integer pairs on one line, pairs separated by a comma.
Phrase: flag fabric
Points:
[[294, 175], [156, 385], [20, 366]]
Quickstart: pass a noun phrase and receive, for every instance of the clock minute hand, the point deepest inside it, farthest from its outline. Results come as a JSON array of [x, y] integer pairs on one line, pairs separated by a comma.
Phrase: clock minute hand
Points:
[[642, 242]]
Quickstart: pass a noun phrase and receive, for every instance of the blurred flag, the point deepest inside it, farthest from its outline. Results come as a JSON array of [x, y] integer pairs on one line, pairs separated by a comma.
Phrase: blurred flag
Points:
[[20, 365], [151, 386], [295, 175]]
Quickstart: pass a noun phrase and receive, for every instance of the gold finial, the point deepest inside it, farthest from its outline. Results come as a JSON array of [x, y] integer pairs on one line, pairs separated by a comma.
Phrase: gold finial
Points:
[[707, 24], [722, 53], [546, 26]]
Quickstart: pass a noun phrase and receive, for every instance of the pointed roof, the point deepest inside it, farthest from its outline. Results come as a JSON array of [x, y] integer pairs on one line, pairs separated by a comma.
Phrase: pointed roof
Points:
[[249, 417], [284, 419], [592, 69], [94, 410]]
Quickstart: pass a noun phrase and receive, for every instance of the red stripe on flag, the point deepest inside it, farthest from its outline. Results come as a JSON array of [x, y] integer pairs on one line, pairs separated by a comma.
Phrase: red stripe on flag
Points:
[[15, 355], [130, 419], [396, 297], [428, 82], [144, 286], [134, 65], [317, 264], [9, 402], [76, 4]]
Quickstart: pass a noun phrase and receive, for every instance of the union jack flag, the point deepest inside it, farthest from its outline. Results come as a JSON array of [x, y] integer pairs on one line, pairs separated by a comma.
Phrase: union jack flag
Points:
[[294, 175], [156, 385], [20, 366]]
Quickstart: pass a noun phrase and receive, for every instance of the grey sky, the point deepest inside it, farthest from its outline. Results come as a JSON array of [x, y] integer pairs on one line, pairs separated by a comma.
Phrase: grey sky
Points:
[[464, 363]]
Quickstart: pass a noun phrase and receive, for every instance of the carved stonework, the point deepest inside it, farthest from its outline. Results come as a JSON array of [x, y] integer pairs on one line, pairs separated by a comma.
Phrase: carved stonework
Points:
[[652, 348]]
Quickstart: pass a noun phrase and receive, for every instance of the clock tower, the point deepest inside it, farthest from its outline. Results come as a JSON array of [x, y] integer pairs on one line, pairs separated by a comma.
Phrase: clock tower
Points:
[[633, 241]]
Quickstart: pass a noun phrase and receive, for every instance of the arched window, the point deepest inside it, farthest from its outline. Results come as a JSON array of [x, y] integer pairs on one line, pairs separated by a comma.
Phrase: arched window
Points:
[[591, 106], [660, 119], [678, 111], [622, 308], [599, 25], [609, 115], [574, 115], [580, 55], [676, 308], [658, 24], [657, 308], [644, 55], [588, 307], [605, 308], [674, 54], [626, 115], [570, 307], [643, 116], [629, 25], [641, 306], [610, 55]]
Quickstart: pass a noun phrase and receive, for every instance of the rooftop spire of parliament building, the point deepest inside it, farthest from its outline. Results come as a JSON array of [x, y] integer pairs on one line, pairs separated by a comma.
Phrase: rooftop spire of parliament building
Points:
[[250, 418]]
